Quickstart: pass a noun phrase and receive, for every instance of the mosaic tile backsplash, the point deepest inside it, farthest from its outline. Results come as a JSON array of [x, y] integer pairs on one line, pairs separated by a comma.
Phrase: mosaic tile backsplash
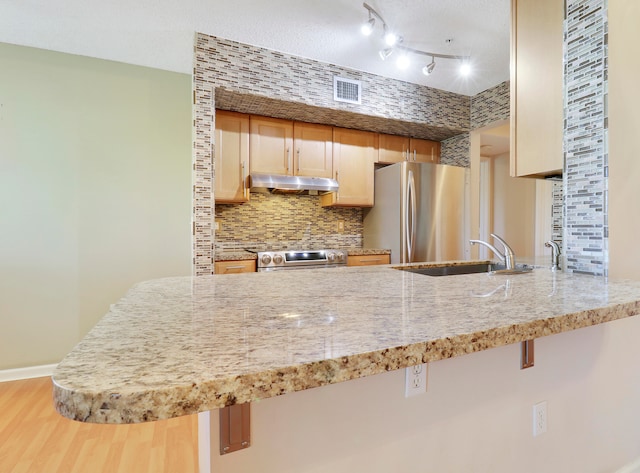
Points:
[[285, 221], [585, 182]]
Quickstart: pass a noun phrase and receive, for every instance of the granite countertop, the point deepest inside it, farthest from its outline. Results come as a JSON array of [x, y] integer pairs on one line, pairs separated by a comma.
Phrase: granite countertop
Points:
[[179, 346], [367, 251], [235, 255]]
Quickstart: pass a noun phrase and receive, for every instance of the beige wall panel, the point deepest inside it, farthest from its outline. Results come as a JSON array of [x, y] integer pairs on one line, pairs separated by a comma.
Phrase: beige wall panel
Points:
[[95, 193]]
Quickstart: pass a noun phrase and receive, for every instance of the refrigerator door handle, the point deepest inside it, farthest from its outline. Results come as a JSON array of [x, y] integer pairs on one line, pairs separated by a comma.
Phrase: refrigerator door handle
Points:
[[410, 217]]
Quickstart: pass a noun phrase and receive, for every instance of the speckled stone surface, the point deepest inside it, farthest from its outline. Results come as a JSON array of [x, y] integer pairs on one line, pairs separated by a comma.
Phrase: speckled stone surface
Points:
[[179, 346], [235, 255], [367, 251]]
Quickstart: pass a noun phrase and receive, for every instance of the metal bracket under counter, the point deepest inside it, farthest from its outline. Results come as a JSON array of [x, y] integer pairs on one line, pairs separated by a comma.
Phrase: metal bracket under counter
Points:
[[235, 428], [527, 352]]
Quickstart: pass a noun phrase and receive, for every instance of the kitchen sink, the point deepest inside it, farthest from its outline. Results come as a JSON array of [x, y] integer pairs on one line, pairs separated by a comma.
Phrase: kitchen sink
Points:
[[468, 269]]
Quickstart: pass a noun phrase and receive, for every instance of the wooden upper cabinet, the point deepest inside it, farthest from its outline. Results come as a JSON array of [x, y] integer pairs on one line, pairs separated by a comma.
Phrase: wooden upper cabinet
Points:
[[424, 151], [231, 157], [271, 145], [536, 87], [291, 148], [354, 155], [392, 149], [313, 146]]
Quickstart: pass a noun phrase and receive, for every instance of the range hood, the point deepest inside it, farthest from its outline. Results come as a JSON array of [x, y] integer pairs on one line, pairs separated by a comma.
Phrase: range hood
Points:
[[293, 183]]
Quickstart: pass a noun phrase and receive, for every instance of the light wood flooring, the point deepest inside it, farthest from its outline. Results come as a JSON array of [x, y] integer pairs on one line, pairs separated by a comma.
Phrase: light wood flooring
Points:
[[34, 438]]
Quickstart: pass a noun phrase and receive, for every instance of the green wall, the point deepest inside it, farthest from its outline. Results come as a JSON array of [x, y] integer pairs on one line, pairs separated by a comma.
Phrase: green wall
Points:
[[95, 193]]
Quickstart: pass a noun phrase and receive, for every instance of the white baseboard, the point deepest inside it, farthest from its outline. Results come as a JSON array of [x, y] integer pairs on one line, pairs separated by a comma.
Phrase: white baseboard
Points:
[[26, 373]]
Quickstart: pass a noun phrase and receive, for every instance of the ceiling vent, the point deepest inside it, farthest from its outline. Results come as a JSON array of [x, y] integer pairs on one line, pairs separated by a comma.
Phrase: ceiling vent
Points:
[[346, 90]]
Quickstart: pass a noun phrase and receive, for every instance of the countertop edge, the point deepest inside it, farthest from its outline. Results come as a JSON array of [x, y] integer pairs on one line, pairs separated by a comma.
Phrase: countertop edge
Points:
[[119, 408]]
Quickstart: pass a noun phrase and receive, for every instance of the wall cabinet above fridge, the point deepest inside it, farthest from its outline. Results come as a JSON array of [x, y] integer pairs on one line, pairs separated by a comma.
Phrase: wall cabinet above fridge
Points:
[[395, 149], [536, 87]]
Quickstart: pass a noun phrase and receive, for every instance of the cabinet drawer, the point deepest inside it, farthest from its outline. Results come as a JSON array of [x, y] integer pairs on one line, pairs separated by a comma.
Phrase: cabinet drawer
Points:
[[368, 260], [234, 267]]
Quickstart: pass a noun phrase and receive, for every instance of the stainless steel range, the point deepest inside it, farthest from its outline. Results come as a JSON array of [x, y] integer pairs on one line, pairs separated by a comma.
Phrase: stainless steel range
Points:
[[300, 259]]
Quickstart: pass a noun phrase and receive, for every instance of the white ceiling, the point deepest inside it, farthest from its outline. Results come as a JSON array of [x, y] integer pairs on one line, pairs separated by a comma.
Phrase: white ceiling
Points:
[[159, 33]]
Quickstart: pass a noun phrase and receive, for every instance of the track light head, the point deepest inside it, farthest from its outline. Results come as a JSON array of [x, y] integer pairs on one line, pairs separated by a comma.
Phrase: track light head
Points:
[[385, 53], [390, 38], [428, 69], [465, 68], [367, 27]]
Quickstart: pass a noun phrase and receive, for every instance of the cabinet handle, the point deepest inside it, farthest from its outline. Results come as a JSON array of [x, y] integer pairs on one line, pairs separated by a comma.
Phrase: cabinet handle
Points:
[[288, 159], [233, 267], [414, 154], [338, 191], [298, 159], [244, 181], [369, 260]]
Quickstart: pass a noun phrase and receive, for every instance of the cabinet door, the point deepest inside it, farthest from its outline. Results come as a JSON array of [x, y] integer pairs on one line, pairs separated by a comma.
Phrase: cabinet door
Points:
[[313, 150], [354, 153], [234, 267], [271, 145], [424, 151], [231, 157], [536, 87], [392, 149]]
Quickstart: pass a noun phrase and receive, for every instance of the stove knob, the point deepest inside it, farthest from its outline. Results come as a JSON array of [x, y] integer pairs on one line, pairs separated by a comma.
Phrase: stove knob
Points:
[[277, 259], [340, 256], [266, 259], [331, 257]]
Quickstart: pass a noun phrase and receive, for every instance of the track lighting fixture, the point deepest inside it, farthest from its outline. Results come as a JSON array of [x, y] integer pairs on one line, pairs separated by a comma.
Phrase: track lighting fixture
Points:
[[393, 41]]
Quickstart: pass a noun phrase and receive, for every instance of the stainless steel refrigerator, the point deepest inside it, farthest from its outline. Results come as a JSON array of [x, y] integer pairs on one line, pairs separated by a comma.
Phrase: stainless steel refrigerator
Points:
[[420, 212]]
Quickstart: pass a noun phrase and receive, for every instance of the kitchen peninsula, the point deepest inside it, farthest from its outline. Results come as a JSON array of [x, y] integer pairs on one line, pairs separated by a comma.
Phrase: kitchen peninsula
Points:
[[179, 346]]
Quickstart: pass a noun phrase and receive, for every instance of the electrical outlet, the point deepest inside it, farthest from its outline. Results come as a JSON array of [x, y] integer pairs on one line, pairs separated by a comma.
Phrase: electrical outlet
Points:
[[216, 225], [539, 418], [341, 226], [415, 380]]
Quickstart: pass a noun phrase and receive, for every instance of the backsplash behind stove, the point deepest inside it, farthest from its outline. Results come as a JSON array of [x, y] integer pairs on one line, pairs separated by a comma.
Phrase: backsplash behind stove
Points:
[[280, 222]]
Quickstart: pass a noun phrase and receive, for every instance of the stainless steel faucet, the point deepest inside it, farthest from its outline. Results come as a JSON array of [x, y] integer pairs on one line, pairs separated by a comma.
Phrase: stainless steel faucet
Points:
[[508, 258], [555, 254]]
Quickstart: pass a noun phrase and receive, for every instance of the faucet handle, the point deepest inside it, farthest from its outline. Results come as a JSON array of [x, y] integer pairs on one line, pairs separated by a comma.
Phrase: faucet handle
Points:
[[509, 256], [507, 248]]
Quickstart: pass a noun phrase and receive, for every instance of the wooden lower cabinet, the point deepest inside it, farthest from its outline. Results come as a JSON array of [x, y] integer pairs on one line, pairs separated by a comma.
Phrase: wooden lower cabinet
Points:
[[236, 266], [368, 260]]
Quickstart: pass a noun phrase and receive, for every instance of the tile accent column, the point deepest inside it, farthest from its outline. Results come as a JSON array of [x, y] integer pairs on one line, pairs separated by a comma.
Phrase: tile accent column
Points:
[[585, 137]]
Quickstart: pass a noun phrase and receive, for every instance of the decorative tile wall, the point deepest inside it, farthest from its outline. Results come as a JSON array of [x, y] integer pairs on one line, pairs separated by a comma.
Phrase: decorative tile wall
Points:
[[490, 106], [244, 78], [456, 151], [585, 176]]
